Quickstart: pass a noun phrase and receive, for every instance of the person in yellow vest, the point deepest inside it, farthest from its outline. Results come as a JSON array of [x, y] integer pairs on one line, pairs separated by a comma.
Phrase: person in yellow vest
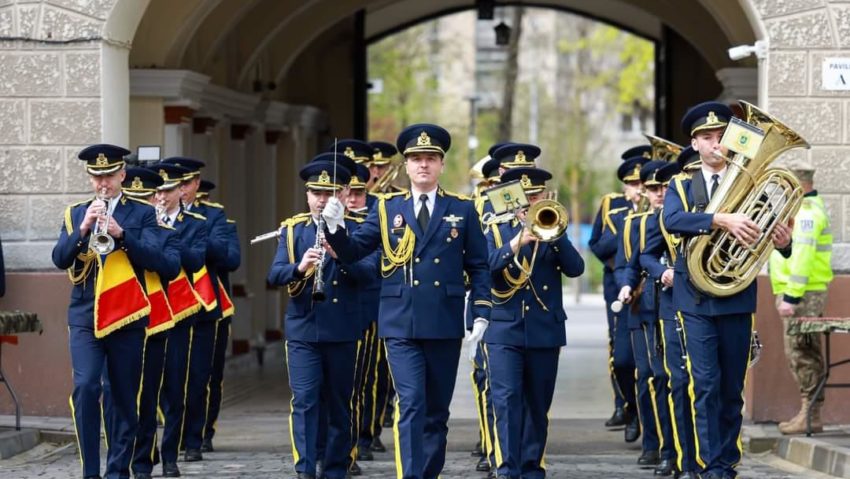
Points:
[[800, 283]]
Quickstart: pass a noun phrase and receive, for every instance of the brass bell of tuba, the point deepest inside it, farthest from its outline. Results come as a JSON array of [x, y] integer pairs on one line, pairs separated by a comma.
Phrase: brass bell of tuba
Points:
[[720, 265], [547, 220]]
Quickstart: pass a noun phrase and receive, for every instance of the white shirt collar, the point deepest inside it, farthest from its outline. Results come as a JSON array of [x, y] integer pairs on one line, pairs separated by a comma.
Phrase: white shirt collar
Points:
[[173, 216], [112, 203], [432, 197], [707, 174]]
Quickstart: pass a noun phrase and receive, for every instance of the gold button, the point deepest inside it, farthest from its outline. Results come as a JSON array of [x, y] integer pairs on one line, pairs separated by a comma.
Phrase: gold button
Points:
[[528, 287], [336, 300], [448, 240], [334, 282], [545, 288], [415, 282], [417, 260], [558, 268], [527, 308], [436, 283], [436, 260]]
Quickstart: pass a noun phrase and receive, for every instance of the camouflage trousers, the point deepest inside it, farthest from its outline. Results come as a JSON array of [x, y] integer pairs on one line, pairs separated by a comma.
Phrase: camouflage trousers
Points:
[[803, 351]]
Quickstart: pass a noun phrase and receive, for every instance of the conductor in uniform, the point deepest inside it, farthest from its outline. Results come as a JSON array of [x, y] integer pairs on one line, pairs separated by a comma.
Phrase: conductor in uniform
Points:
[[526, 331], [428, 238], [717, 330], [109, 307]]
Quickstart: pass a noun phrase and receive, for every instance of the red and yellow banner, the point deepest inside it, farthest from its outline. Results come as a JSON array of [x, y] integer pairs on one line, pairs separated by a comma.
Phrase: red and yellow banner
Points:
[[119, 298], [204, 288], [227, 308], [182, 297], [161, 317]]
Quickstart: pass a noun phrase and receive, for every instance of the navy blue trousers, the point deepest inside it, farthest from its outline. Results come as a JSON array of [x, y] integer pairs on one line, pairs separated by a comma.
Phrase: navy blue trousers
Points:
[[679, 401], [623, 362], [121, 355], [718, 352], [654, 394], [197, 392], [145, 450], [484, 402], [645, 397], [222, 338], [522, 381], [609, 292], [423, 372], [369, 407], [172, 395], [321, 377]]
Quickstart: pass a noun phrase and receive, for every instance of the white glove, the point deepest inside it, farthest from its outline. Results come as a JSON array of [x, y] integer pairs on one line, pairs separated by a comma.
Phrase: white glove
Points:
[[333, 214], [478, 328]]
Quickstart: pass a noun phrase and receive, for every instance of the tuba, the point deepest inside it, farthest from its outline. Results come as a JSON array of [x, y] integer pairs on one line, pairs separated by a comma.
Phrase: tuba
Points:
[[720, 265], [662, 149]]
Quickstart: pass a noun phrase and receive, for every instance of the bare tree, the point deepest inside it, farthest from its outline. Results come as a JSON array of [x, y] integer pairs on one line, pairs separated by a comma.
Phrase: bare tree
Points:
[[511, 71]]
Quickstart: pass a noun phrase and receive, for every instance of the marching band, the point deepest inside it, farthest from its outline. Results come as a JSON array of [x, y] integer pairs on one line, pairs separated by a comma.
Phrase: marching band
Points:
[[386, 282]]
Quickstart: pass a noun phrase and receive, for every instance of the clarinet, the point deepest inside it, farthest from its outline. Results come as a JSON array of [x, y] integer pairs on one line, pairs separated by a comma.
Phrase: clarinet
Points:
[[318, 282]]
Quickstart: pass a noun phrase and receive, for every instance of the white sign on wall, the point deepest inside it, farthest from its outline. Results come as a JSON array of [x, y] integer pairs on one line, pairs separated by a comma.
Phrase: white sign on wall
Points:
[[836, 74]]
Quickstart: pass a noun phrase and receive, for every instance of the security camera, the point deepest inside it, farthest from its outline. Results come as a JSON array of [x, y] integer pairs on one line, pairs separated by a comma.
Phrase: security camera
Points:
[[743, 51]]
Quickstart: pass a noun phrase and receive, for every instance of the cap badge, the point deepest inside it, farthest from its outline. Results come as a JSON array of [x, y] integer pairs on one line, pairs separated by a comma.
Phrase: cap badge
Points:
[[525, 181], [712, 118], [424, 140], [101, 160], [520, 156], [163, 174], [324, 178], [378, 155], [348, 152], [136, 184]]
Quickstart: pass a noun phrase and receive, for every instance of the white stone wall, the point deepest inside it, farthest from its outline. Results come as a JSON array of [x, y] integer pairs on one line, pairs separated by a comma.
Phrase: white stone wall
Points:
[[50, 106], [801, 33]]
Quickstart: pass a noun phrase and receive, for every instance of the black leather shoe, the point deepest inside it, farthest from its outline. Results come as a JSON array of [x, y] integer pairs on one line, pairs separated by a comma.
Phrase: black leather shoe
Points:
[[709, 475], [477, 451], [377, 445], [207, 446], [170, 469], [141, 475], [483, 465], [365, 454], [665, 468], [193, 455], [354, 469], [388, 417], [491, 475], [617, 419], [632, 430], [648, 458]]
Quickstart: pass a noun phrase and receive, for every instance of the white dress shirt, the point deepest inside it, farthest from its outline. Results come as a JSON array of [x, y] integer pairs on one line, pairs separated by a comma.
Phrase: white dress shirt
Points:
[[417, 203]]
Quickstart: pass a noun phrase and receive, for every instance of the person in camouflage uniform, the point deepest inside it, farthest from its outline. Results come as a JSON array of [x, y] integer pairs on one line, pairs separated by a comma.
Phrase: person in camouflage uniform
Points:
[[800, 283]]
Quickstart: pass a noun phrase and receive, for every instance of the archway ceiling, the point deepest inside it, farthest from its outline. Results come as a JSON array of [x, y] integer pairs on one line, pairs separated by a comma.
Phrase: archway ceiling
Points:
[[228, 39]]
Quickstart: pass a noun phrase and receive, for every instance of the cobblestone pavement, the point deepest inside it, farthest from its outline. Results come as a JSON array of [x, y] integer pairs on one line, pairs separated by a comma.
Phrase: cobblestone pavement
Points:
[[253, 440]]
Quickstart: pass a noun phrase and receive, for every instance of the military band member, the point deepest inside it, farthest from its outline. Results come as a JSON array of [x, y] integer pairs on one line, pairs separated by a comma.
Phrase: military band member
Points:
[[526, 332], [622, 353], [604, 247], [428, 237], [647, 348], [109, 307], [657, 258], [206, 324], [321, 336], [717, 330], [231, 263], [192, 233]]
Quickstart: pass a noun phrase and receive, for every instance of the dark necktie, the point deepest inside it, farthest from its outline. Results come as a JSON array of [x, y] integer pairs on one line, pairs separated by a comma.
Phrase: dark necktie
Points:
[[715, 178], [166, 219], [424, 216]]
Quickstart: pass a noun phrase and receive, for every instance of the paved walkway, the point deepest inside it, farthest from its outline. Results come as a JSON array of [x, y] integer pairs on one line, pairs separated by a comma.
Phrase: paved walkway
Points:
[[253, 440]]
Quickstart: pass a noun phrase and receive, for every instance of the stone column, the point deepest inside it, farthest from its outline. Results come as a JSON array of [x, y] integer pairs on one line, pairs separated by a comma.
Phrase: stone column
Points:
[[178, 120], [202, 146], [739, 84], [234, 182]]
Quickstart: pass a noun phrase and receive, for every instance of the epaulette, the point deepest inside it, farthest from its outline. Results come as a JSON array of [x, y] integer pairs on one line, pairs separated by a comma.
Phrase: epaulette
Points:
[[230, 221], [137, 200], [74, 205], [197, 216], [682, 175], [391, 194], [168, 227], [299, 218], [639, 214], [212, 204], [354, 218], [455, 195], [614, 195]]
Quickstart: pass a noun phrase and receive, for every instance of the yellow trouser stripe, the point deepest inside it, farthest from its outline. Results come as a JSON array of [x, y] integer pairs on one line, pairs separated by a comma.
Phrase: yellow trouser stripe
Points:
[[295, 455], [495, 432], [399, 469], [480, 408], [739, 443], [652, 393], [354, 404], [186, 388], [377, 346], [671, 405], [691, 394]]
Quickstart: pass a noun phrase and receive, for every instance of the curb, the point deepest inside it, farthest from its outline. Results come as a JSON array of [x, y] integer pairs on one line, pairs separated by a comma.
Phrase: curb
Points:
[[14, 442], [814, 454]]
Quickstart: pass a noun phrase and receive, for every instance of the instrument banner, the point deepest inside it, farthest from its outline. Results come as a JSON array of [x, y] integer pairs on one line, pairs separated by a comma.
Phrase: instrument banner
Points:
[[204, 288], [227, 308], [119, 298], [743, 138], [161, 316], [183, 298]]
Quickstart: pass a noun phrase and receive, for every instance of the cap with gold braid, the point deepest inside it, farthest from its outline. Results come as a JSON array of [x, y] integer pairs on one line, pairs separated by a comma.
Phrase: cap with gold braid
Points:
[[424, 137], [532, 179], [140, 182], [204, 189], [629, 169], [709, 115], [103, 159], [382, 152], [359, 151], [359, 178], [640, 150], [192, 166], [171, 174], [319, 173]]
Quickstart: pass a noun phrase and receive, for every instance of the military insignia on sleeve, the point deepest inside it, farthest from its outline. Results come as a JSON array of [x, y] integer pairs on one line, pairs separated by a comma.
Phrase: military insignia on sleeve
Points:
[[807, 225], [398, 221], [453, 233]]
